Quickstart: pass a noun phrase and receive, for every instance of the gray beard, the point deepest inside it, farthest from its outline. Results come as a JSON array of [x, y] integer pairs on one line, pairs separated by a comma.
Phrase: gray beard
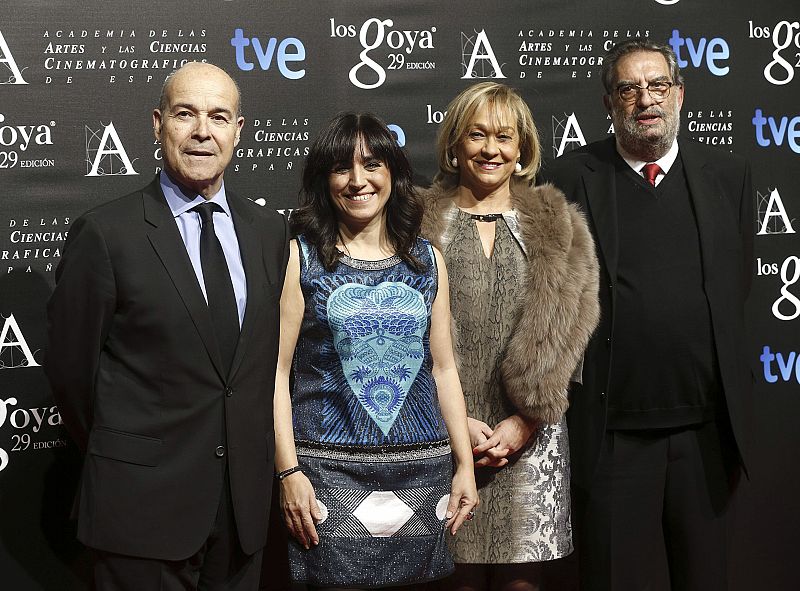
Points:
[[647, 149]]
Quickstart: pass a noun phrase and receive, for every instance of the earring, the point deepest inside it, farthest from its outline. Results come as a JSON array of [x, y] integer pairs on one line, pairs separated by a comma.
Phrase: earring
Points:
[[518, 167], [454, 162]]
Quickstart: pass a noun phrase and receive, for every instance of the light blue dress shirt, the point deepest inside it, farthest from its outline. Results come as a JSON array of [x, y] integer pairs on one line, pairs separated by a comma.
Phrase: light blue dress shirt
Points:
[[189, 226]]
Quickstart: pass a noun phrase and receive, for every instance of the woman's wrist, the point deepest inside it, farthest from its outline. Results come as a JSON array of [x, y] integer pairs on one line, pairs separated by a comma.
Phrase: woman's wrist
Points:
[[288, 472], [464, 467]]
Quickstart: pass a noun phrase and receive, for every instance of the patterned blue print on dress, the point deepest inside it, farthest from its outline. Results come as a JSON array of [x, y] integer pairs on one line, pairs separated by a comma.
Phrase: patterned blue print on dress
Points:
[[377, 332]]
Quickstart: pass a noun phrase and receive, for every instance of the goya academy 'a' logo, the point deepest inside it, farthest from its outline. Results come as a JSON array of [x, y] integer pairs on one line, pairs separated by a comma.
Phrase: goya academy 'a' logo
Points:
[[14, 349], [477, 57], [7, 62], [105, 154], [772, 215], [567, 134]]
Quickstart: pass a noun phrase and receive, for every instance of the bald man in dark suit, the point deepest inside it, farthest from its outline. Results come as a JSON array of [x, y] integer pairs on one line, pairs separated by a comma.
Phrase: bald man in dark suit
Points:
[[163, 337]]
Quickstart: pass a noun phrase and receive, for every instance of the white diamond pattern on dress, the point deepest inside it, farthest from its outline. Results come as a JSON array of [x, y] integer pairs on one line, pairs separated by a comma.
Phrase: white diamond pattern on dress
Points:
[[441, 507], [323, 511], [382, 513]]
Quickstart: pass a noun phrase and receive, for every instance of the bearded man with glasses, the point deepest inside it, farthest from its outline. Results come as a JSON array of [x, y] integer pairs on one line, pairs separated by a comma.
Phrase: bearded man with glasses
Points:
[[658, 427]]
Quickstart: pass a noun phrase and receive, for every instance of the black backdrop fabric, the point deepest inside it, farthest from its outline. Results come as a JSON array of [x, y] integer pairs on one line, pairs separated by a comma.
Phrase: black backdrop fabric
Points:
[[79, 80]]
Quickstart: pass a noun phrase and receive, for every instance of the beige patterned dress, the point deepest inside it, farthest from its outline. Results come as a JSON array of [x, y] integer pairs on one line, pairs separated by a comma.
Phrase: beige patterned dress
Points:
[[524, 514]]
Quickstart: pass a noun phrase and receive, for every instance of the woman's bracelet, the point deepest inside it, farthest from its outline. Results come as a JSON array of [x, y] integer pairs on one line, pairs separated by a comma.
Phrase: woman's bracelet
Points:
[[290, 471]]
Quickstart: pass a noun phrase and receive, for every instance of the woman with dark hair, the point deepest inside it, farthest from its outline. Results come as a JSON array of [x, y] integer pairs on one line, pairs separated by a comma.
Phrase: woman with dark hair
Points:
[[363, 442], [524, 304]]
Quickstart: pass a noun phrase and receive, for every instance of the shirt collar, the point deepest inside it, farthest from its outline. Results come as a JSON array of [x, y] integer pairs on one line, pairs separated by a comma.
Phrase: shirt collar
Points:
[[665, 162], [180, 200]]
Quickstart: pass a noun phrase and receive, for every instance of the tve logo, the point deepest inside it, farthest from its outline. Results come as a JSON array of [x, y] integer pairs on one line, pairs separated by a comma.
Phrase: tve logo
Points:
[[711, 52], [289, 51], [769, 130], [788, 365]]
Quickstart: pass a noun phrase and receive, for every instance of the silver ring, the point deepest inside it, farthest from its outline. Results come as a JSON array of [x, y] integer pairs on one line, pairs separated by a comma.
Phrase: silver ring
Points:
[[470, 515]]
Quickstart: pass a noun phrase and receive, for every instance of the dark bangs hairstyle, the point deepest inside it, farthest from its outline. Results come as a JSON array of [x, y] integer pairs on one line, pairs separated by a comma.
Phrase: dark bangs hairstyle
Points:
[[316, 217]]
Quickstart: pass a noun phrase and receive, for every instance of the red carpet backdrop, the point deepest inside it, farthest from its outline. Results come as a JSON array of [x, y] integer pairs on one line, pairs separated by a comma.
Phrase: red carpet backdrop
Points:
[[79, 79]]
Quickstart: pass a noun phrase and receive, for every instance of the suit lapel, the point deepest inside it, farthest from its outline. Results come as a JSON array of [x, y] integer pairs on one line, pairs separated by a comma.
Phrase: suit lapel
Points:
[[599, 182], [250, 250], [166, 241], [703, 193]]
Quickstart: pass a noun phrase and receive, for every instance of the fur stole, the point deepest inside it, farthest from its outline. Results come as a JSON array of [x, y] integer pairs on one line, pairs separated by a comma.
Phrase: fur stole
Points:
[[559, 309]]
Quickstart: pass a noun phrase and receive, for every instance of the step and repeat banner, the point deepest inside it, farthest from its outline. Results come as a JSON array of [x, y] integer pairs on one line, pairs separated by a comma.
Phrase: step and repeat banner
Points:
[[79, 80]]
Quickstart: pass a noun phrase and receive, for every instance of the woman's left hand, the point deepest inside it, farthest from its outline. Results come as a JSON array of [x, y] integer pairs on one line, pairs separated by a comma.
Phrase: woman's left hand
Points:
[[463, 498], [507, 439], [479, 431]]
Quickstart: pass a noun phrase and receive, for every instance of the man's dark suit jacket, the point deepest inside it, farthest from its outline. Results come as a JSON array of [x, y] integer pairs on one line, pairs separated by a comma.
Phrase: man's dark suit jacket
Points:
[[138, 379], [722, 196]]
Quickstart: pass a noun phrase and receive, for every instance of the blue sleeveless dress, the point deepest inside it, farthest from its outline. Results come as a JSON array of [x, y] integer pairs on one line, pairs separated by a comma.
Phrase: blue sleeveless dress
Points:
[[368, 428]]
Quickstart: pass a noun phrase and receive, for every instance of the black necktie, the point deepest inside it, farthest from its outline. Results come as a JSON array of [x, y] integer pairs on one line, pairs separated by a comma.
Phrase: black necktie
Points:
[[219, 288]]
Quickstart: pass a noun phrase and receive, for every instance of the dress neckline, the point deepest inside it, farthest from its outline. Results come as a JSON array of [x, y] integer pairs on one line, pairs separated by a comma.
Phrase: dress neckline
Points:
[[498, 215], [369, 265]]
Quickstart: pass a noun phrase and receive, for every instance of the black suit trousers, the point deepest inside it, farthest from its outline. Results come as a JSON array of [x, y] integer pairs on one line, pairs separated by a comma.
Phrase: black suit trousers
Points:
[[219, 565], [657, 516]]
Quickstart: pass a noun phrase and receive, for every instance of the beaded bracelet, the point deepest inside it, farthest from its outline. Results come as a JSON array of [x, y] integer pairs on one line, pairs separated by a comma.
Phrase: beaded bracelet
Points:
[[289, 472]]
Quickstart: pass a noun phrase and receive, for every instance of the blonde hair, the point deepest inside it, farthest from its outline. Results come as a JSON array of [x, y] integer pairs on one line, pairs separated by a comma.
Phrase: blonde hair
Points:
[[499, 98]]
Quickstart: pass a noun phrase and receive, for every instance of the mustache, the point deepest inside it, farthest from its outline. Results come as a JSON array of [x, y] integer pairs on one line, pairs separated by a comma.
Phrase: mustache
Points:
[[652, 111]]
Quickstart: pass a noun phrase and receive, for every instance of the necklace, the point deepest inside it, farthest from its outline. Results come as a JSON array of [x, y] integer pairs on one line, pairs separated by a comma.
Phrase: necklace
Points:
[[486, 217]]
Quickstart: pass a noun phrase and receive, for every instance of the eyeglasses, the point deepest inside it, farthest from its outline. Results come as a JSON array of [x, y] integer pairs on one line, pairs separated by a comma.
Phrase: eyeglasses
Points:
[[658, 91]]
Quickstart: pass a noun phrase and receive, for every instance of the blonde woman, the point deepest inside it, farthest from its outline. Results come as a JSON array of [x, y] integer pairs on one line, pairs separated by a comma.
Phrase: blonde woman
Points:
[[523, 277]]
